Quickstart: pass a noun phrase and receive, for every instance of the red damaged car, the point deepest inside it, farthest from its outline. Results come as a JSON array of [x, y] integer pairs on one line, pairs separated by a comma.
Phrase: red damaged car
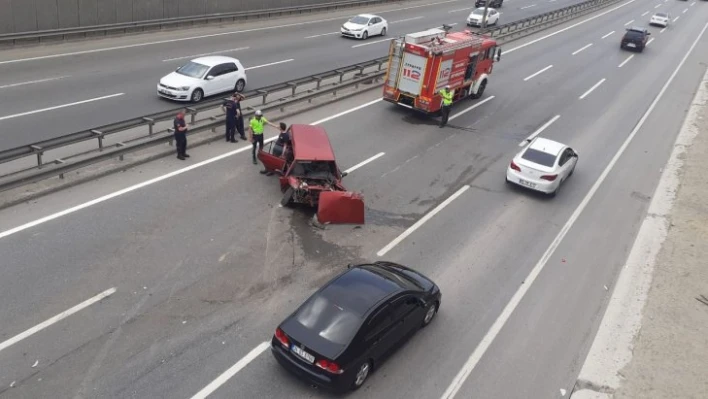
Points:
[[308, 174]]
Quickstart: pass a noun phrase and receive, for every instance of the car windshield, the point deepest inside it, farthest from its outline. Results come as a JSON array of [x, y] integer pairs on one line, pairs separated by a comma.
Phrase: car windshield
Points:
[[193, 70], [479, 11], [329, 320], [539, 157], [359, 20], [321, 170], [661, 15]]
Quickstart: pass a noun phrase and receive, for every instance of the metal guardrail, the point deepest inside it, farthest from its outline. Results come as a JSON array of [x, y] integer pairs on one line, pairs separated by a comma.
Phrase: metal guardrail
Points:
[[157, 24], [503, 33]]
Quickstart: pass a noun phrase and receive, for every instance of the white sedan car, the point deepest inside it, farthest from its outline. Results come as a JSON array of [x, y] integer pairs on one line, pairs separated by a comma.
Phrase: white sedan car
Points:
[[660, 19], [543, 165], [203, 77], [365, 25], [475, 17]]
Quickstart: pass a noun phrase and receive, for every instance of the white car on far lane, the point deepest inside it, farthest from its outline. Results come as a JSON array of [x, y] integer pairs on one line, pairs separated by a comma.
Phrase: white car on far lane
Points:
[[365, 25], [543, 165], [660, 19], [476, 16], [203, 77]]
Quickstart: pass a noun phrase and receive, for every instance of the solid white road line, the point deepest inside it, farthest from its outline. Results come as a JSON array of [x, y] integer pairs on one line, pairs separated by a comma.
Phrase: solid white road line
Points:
[[650, 40], [607, 34], [595, 86], [628, 23], [684, 11], [657, 6], [581, 49], [364, 162], [569, 27], [662, 31], [537, 73], [523, 8], [625, 61], [422, 221], [692, 4], [470, 108], [675, 19], [645, 13], [269, 64], [2, 118], [368, 43], [226, 375], [460, 9], [539, 131], [323, 34], [31, 82], [61, 316], [100, 50], [158, 179], [405, 20], [518, 296], [205, 54]]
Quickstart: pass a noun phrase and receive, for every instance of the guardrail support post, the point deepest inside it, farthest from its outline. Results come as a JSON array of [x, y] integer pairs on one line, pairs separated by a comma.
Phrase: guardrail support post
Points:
[[151, 125], [171, 131], [60, 161], [293, 86], [319, 81], [119, 144], [39, 155], [264, 93], [99, 136], [192, 114]]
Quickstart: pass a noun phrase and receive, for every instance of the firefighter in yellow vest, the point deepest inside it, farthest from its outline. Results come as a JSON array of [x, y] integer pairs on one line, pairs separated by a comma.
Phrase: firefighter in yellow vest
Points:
[[255, 132], [447, 96]]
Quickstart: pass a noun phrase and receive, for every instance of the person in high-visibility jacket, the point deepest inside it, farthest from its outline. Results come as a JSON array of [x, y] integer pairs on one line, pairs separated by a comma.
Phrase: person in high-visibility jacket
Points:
[[255, 132], [447, 96]]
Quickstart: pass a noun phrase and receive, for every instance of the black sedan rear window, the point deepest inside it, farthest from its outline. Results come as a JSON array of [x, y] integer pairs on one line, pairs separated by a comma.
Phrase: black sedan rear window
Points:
[[632, 34], [329, 320], [539, 157]]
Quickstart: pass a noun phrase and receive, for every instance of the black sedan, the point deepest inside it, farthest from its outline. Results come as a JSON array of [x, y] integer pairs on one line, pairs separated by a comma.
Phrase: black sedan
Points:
[[345, 329], [492, 3]]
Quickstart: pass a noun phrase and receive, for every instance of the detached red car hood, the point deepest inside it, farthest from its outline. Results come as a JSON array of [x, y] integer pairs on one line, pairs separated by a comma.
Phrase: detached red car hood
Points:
[[340, 207]]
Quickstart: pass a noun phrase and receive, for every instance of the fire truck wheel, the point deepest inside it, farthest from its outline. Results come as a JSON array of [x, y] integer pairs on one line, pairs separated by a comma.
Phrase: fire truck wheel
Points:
[[365, 35], [480, 91]]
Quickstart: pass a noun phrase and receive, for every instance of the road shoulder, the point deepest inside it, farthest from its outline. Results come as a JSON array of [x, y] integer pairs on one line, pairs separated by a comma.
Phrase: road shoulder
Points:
[[652, 341]]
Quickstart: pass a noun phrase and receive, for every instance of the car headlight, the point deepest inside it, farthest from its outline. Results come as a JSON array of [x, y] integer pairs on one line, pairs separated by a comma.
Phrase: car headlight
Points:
[[184, 88]]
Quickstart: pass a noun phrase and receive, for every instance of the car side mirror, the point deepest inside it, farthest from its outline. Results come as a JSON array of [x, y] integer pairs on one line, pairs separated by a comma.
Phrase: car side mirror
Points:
[[648, 33], [421, 302], [210, 77], [499, 52], [349, 265], [344, 173]]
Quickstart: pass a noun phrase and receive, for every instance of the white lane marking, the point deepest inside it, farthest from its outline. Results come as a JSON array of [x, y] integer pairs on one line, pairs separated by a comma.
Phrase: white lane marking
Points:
[[323, 34], [127, 46], [650, 40], [422, 221], [684, 11], [405, 20], [568, 27], [551, 1], [675, 19], [364, 162], [61, 316], [625, 61], [645, 13], [523, 8], [460, 9], [468, 109], [595, 86], [226, 375], [539, 131], [368, 43], [692, 4], [657, 6], [205, 54], [31, 82], [607, 34], [158, 179], [2, 118], [581, 49], [269, 64], [628, 23], [538, 73], [499, 323], [662, 31]]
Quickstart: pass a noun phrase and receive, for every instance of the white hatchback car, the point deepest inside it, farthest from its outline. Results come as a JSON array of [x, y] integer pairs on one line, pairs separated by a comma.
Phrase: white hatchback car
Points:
[[660, 19], [476, 16], [203, 77], [543, 165], [365, 25]]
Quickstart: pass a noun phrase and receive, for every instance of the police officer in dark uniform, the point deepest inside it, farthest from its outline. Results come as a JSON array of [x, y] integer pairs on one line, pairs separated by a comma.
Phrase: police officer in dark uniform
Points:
[[239, 116], [229, 107], [180, 135]]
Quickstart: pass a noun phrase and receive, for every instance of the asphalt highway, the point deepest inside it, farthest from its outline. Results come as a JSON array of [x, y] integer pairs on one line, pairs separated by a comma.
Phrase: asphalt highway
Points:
[[205, 263], [59, 89]]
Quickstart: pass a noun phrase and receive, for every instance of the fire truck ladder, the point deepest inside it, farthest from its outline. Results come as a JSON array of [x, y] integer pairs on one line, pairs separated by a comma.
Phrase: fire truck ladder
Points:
[[394, 66]]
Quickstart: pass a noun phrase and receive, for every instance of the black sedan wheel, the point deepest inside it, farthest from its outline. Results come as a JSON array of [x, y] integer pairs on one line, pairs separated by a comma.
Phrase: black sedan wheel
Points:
[[361, 375], [430, 313]]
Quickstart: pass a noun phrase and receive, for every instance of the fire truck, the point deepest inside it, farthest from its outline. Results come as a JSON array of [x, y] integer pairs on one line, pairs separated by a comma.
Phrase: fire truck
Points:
[[421, 64]]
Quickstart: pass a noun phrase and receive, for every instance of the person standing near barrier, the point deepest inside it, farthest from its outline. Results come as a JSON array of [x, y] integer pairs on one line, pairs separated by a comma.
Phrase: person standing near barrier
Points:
[[180, 126], [239, 116], [229, 108], [255, 132], [447, 96]]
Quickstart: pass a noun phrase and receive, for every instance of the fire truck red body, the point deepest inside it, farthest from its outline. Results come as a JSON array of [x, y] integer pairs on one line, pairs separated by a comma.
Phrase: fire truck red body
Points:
[[421, 64]]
